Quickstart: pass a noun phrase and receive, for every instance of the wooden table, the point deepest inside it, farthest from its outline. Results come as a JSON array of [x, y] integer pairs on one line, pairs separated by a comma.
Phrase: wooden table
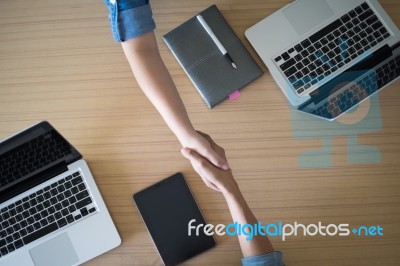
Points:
[[58, 62]]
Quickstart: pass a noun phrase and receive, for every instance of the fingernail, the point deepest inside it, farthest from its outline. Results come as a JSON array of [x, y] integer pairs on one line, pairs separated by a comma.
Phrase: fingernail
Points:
[[185, 152], [225, 166]]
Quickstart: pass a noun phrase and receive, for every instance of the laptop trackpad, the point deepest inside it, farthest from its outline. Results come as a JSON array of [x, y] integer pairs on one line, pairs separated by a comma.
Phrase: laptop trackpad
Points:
[[57, 251], [303, 15]]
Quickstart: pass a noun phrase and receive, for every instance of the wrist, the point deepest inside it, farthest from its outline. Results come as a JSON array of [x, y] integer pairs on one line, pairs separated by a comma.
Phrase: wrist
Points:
[[231, 190], [186, 135]]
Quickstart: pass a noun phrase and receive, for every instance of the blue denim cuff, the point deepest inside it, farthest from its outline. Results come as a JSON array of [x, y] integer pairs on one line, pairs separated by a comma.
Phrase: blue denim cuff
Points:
[[129, 23], [269, 259], [136, 21], [128, 4]]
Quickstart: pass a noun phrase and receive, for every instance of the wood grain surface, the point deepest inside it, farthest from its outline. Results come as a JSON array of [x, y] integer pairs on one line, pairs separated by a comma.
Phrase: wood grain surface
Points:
[[58, 62]]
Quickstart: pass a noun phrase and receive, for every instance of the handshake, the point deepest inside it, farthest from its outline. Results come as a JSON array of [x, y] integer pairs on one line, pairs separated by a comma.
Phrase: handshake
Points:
[[212, 167]]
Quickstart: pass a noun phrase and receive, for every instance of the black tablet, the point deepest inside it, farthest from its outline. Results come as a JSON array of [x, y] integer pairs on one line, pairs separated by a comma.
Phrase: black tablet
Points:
[[166, 208]]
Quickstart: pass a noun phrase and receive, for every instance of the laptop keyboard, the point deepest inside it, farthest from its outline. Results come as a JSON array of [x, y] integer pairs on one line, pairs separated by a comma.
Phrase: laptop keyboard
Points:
[[32, 156], [44, 211], [328, 50], [359, 91]]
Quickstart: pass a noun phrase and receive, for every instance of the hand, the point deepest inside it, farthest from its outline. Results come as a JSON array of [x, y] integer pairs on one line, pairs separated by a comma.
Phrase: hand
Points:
[[213, 177], [203, 145]]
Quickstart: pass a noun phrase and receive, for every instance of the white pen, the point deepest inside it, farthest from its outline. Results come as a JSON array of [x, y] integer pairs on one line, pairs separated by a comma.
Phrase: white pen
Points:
[[215, 39]]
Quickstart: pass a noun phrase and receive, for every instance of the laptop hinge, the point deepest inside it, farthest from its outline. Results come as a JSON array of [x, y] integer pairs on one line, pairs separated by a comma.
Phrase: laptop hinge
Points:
[[33, 181]]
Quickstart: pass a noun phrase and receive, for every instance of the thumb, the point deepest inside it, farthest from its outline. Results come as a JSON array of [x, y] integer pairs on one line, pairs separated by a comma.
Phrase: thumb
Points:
[[216, 159], [197, 162], [196, 159], [190, 154]]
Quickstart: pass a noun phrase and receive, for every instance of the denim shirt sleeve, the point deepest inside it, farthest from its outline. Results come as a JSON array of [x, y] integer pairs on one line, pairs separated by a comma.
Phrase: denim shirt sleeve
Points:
[[129, 18], [269, 259]]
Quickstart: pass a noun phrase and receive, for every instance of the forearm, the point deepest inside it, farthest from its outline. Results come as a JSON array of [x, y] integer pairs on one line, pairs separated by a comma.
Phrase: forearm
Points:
[[242, 214], [156, 82]]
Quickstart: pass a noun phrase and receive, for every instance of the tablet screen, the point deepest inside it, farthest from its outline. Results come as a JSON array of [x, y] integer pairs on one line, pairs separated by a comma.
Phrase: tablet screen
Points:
[[166, 208]]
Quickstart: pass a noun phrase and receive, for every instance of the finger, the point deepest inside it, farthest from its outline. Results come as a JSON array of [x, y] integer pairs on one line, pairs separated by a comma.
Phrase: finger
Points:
[[210, 184], [198, 164], [216, 155], [220, 151], [196, 159], [207, 137]]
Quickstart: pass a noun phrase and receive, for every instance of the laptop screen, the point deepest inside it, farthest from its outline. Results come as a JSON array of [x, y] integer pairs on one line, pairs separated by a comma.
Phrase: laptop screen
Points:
[[354, 85], [32, 157]]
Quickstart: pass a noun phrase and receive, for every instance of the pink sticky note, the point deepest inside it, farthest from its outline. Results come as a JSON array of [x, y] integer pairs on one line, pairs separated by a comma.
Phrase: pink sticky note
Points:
[[234, 95]]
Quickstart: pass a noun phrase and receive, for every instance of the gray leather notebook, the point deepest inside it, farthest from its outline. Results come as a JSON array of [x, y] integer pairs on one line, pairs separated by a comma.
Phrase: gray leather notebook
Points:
[[211, 73]]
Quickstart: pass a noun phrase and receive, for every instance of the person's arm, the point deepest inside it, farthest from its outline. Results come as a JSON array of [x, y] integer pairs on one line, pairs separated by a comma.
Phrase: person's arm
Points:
[[259, 247], [156, 82], [133, 26], [242, 214]]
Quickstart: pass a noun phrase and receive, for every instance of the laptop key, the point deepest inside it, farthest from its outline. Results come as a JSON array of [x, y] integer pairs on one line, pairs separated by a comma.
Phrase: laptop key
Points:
[[11, 247], [72, 200], [44, 222], [18, 244], [68, 185], [305, 43], [53, 192], [40, 233], [84, 212], [50, 219], [366, 14], [365, 6], [81, 186], [71, 208], [358, 10], [65, 203], [78, 179], [9, 239], [296, 86], [62, 222], [58, 206], [288, 73], [285, 56], [65, 212], [30, 229], [345, 18], [74, 190], [284, 67], [4, 251], [376, 25], [372, 19], [80, 204], [70, 218], [37, 226], [298, 48]]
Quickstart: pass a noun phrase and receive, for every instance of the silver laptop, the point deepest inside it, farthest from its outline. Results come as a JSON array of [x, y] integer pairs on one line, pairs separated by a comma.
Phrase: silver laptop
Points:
[[328, 56], [51, 212]]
